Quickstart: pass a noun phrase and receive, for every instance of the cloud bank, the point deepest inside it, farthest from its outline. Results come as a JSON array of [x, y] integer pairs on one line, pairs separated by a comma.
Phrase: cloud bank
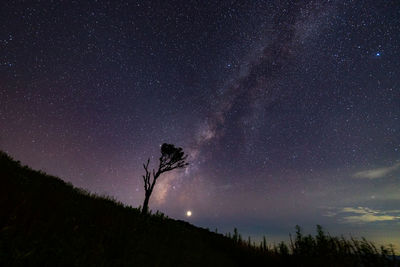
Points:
[[361, 215], [377, 173]]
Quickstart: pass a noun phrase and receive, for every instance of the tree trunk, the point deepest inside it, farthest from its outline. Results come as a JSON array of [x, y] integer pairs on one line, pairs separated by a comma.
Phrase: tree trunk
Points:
[[145, 208]]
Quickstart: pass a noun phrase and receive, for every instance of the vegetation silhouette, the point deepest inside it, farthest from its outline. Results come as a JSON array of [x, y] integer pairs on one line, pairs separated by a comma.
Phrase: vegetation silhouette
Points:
[[47, 222], [171, 158]]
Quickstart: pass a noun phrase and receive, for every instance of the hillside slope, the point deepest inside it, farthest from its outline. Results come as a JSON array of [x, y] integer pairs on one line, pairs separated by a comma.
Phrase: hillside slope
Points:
[[45, 221]]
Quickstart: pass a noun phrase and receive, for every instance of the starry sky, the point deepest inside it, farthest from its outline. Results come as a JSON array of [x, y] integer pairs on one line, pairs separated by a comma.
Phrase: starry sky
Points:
[[289, 110]]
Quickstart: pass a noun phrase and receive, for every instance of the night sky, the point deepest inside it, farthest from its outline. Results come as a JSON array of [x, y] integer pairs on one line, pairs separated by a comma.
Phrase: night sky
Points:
[[289, 110]]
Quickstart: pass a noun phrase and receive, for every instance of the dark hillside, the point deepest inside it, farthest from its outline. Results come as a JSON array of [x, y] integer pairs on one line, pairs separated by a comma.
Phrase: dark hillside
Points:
[[47, 222]]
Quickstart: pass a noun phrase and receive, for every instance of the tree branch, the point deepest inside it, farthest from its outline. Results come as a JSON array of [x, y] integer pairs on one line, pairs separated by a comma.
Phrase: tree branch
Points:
[[171, 158]]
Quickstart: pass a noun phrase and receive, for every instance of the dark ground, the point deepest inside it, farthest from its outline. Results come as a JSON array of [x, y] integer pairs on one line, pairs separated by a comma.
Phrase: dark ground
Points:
[[47, 222]]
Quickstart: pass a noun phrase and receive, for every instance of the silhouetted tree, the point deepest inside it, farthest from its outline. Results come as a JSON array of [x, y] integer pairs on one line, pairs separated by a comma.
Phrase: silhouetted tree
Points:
[[171, 158]]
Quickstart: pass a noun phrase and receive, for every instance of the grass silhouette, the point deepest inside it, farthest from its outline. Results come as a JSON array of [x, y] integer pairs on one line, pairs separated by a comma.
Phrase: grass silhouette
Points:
[[45, 221]]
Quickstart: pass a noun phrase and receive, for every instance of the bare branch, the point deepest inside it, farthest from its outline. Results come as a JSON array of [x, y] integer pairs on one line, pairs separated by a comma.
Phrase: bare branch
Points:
[[146, 177]]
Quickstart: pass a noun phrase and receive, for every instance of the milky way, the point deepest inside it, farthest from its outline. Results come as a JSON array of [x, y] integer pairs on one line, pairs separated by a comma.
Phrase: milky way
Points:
[[255, 82], [289, 111]]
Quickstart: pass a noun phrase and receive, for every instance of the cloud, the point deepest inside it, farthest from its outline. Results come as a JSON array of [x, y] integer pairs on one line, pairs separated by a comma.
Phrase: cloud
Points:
[[366, 218], [377, 173], [359, 215], [330, 214]]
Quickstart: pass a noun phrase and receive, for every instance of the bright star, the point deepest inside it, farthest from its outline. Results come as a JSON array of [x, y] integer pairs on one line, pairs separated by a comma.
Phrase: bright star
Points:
[[378, 54], [188, 213]]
